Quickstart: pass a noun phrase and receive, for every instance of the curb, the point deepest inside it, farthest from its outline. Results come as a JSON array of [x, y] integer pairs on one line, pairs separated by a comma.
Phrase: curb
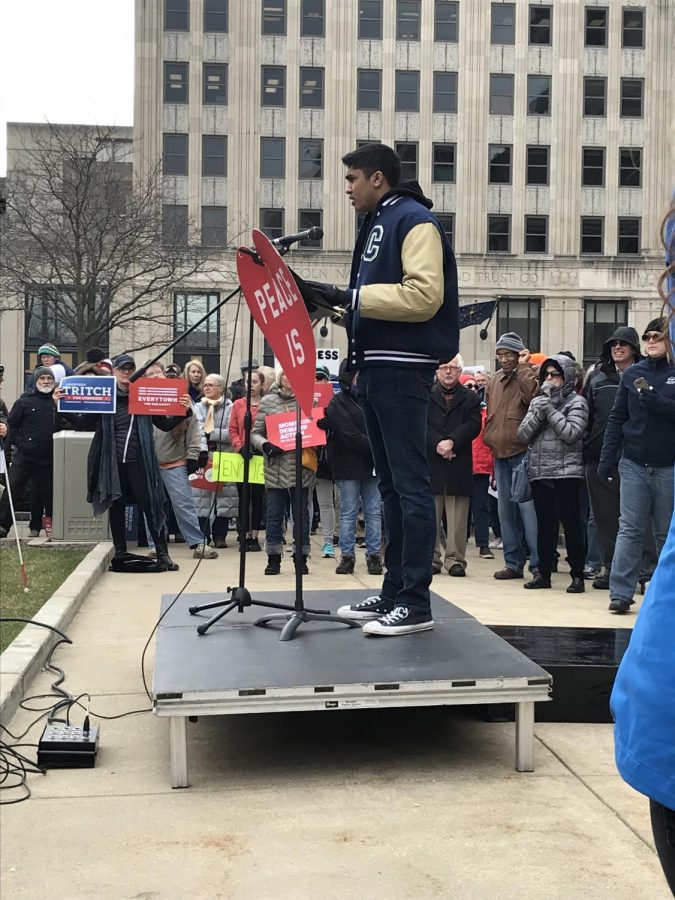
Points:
[[23, 658]]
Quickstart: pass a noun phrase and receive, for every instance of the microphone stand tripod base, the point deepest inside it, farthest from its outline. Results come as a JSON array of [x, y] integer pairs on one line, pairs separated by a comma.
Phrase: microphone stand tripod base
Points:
[[299, 616]]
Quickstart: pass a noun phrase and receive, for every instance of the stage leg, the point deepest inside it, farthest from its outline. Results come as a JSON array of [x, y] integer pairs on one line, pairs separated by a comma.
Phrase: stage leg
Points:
[[525, 736], [178, 744]]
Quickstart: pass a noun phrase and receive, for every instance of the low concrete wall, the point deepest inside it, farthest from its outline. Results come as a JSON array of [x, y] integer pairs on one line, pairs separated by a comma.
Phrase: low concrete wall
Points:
[[24, 657]]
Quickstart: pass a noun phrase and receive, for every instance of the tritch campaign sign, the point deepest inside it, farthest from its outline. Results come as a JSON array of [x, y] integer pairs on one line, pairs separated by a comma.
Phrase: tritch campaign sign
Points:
[[281, 429], [157, 397], [88, 394], [279, 311]]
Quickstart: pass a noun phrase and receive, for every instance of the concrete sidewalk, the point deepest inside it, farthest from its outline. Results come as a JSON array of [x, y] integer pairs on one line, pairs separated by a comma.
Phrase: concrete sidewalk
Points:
[[365, 804]]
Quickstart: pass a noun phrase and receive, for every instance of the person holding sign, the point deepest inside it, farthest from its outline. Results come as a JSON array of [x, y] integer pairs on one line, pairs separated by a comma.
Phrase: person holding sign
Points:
[[214, 411], [280, 474], [238, 437], [402, 322]]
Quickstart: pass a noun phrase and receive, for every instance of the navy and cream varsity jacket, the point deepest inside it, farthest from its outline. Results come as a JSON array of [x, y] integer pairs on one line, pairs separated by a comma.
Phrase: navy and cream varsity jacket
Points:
[[404, 300]]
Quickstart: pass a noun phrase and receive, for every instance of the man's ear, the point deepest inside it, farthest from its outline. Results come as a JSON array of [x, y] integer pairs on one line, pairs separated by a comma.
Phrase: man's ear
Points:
[[377, 179]]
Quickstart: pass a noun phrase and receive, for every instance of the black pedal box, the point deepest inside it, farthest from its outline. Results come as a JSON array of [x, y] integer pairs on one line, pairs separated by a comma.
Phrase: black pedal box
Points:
[[67, 747]]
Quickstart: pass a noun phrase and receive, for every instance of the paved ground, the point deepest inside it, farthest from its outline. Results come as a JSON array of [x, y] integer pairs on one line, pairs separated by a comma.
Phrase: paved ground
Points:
[[387, 804]]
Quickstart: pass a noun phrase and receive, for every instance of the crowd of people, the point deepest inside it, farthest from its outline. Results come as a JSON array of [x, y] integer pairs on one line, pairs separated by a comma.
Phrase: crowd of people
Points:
[[513, 457]]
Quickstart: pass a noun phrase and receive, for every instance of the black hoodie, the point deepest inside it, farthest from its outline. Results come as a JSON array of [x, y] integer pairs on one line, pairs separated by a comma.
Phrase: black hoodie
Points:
[[391, 319], [33, 421], [349, 451], [600, 390]]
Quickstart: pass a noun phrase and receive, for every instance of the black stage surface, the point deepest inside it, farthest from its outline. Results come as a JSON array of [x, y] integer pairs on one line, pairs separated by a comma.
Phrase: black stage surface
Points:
[[239, 668]]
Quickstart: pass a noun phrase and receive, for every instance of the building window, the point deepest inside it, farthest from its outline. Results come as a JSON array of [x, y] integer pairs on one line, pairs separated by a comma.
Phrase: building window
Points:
[[176, 15], [41, 317], [630, 166], [499, 234], [215, 84], [593, 166], [443, 162], [272, 222], [370, 20], [536, 234], [539, 95], [310, 158], [499, 164], [596, 26], [540, 24], [447, 223], [175, 82], [601, 319], [215, 16], [272, 157], [595, 97], [214, 226], [537, 165], [631, 98], [309, 218], [273, 86], [591, 234], [204, 342], [175, 226], [523, 317], [407, 153], [445, 92], [503, 26], [446, 17], [274, 16], [633, 28], [408, 20], [629, 236], [312, 18], [175, 154], [369, 89], [214, 155], [501, 95], [311, 88], [407, 91]]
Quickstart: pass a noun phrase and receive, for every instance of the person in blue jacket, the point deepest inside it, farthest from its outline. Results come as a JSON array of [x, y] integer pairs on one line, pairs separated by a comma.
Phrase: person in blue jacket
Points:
[[640, 437], [643, 698], [402, 323]]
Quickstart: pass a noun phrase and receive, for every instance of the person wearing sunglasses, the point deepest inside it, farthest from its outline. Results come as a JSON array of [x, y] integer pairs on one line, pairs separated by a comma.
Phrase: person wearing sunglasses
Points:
[[640, 439], [554, 428], [620, 351]]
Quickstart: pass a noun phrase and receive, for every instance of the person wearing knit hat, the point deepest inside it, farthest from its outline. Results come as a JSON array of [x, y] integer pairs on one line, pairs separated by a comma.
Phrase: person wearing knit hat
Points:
[[508, 398], [536, 359], [49, 355]]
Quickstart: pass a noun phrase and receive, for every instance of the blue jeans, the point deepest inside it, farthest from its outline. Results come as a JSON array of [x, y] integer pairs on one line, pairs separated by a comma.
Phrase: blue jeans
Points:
[[277, 505], [645, 491], [395, 403], [178, 488], [479, 508], [515, 518], [350, 492]]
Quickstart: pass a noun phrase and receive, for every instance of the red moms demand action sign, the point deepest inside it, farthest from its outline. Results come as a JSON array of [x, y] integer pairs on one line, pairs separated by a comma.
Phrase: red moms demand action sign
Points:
[[279, 311], [157, 397], [281, 430]]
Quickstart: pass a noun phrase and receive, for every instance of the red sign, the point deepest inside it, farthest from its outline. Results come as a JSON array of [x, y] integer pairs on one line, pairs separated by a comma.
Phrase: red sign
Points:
[[203, 479], [323, 393], [157, 397], [281, 429], [279, 311]]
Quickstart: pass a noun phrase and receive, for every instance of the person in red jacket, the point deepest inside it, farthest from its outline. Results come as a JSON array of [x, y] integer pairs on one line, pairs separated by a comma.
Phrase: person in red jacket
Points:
[[483, 472]]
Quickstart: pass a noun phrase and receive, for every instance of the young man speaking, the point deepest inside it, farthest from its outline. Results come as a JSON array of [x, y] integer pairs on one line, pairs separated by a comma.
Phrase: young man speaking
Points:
[[402, 323]]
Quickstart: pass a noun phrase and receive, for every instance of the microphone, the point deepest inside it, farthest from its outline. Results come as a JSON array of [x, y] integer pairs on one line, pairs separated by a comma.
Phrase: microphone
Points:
[[311, 234]]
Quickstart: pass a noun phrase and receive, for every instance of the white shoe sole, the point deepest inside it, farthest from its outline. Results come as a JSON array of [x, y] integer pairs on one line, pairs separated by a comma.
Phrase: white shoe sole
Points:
[[350, 613], [381, 630]]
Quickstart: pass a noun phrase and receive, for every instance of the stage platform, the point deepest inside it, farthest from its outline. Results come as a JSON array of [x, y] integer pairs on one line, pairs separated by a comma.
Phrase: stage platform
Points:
[[238, 668]]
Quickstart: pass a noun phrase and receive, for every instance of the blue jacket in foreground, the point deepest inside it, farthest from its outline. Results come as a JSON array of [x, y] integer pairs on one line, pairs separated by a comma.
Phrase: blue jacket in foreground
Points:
[[404, 311], [643, 699], [644, 427]]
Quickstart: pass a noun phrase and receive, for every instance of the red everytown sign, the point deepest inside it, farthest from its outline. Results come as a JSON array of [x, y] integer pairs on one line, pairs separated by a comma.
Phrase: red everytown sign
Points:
[[281, 428], [157, 397], [279, 311]]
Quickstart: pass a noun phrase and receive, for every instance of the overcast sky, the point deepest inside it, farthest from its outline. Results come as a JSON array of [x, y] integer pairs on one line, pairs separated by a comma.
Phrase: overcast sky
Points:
[[69, 61]]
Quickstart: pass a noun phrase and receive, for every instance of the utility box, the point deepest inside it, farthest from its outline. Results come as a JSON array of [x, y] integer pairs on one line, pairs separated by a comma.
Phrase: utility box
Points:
[[72, 517]]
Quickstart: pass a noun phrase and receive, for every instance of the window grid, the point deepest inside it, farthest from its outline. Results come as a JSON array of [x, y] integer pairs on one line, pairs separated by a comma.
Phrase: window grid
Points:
[[630, 167], [443, 163], [190, 308], [407, 152], [310, 158], [370, 20], [214, 155], [522, 316], [592, 234], [215, 16], [369, 89], [628, 241], [601, 319], [175, 226], [499, 164], [595, 32], [214, 226], [272, 222], [537, 165], [273, 16], [311, 88], [408, 14], [501, 95], [633, 28], [407, 91], [536, 234], [447, 223], [310, 218], [313, 18], [176, 15], [503, 23], [445, 92], [593, 166], [632, 98], [215, 84], [595, 97], [446, 20], [540, 25], [175, 82], [175, 154], [272, 157], [539, 95], [273, 86], [499, 234]]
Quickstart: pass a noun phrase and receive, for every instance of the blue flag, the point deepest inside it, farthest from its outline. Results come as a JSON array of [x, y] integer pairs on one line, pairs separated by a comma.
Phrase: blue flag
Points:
[[475, 313]]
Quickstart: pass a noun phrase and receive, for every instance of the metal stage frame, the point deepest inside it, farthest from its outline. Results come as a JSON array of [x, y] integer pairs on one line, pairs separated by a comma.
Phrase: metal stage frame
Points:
[[231, 670]]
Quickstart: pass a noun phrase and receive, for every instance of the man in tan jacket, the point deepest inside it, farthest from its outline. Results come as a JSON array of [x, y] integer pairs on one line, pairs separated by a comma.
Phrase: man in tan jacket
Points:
[[508, 396]]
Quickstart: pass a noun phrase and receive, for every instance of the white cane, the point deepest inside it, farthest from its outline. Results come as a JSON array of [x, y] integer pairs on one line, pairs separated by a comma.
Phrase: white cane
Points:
[[4, 471]]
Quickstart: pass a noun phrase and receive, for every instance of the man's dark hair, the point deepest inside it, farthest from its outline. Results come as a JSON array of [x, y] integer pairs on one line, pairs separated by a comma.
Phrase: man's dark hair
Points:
[[375, 158]]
